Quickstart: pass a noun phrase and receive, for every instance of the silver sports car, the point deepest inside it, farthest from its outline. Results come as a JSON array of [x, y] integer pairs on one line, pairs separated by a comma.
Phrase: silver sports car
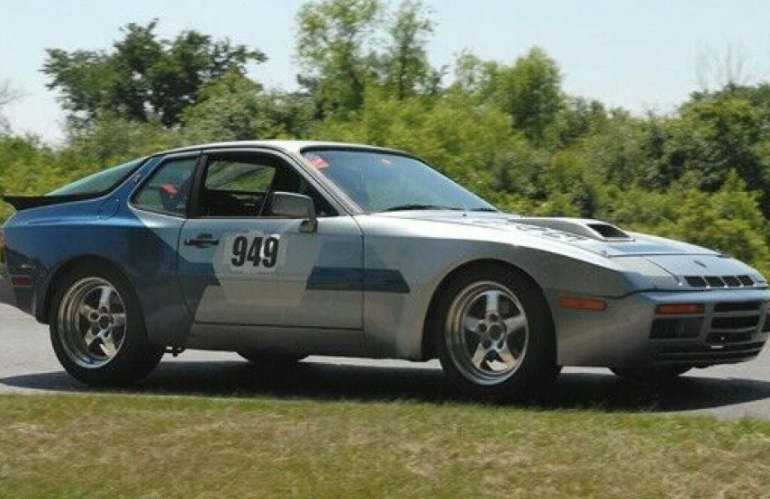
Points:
[[278, 250]]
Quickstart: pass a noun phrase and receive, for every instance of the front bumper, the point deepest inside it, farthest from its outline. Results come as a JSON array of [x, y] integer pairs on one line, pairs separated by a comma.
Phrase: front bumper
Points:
[[733, 328]]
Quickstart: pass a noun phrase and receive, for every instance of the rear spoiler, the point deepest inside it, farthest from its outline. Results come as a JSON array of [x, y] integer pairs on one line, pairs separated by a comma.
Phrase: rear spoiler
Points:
[[27, 202]]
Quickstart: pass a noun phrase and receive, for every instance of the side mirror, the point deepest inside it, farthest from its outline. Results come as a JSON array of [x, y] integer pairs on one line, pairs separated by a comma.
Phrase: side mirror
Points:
[[290, 205]]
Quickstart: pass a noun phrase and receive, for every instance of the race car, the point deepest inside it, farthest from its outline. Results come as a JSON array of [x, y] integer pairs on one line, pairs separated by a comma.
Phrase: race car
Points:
[[282, 249]]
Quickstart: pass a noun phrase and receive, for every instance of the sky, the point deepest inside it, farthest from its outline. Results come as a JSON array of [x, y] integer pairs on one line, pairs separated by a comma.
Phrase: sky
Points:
[[639, 54]]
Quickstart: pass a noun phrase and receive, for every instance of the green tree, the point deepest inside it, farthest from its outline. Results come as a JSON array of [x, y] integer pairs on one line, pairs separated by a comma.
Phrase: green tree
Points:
[[237, 108], [530, 91], [142, 78], [335, 48], [713, 135], [407, 70]]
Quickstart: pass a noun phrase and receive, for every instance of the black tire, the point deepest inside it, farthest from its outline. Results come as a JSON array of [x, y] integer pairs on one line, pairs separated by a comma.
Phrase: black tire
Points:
[[135, 358], [651, 374], [536, 370], [272, 360]]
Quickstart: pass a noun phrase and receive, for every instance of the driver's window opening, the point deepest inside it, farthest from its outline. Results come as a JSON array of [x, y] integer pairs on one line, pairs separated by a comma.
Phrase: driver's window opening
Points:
[[240, 185]]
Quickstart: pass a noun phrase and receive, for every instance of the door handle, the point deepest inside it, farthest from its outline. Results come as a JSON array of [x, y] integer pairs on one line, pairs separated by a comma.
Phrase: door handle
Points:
[[201, 241]]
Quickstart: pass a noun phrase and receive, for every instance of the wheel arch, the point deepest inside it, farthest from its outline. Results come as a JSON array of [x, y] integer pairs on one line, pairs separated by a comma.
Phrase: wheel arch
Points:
[[42, 311], [428, 349]]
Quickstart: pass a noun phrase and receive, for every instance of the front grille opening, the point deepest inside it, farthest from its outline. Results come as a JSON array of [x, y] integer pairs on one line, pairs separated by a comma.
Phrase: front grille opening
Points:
[[708, 354], [735, 322], [668, 329], [754, 347], [738, 306], [766, 325], [725, 338], [695, 281], [715, 281]]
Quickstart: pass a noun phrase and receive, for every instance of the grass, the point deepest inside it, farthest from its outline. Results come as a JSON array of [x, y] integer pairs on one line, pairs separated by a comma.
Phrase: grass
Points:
[[75, 446]]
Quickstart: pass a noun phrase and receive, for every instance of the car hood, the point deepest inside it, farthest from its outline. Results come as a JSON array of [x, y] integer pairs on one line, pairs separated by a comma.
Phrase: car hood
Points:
[[591, 235], [662, 263]]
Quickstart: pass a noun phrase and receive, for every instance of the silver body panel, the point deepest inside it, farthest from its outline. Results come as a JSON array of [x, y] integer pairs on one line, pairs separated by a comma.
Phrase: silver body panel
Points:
[[277, 296]]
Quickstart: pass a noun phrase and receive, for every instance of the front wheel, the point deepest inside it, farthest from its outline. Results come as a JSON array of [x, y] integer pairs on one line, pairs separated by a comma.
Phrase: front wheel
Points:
[[495, 334], [97, 328]]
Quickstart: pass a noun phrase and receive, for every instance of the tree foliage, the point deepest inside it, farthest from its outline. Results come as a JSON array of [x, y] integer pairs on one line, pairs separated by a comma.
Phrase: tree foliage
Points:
[[143, 77]]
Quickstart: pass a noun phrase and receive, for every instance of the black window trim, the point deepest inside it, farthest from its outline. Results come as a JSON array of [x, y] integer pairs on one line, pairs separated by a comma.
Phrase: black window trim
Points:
[[289, 161], [155, 170]]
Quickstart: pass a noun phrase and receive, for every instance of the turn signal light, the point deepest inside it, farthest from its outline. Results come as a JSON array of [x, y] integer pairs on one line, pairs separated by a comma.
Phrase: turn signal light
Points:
[[589, 304], [680, 309]]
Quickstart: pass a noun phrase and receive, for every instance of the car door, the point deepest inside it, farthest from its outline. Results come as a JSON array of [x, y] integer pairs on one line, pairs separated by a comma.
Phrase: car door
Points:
[[239, 265]]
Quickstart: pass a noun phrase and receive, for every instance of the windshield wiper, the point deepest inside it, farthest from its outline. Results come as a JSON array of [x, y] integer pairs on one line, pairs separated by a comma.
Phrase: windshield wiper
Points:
[[415, 206], [491, 210]]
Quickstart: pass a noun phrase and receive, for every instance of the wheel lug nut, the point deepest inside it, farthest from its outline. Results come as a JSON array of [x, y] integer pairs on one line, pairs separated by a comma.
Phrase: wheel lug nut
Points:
[[482, 327], [486, 343]]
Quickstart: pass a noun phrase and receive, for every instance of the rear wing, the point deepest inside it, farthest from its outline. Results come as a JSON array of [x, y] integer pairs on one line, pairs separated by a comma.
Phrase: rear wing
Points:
[[27, 202]]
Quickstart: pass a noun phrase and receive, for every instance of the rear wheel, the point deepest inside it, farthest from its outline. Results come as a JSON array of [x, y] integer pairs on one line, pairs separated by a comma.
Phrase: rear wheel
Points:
[[272, 360], [97, 328], [495, 336], [650, 375]]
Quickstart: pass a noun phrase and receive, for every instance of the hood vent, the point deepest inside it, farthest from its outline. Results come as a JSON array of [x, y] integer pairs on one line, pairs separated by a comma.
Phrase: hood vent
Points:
[[592, 229]]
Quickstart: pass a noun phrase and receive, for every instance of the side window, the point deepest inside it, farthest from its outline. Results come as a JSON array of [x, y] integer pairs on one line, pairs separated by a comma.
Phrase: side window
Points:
[[168, 190], [240, 184], [236, 187]]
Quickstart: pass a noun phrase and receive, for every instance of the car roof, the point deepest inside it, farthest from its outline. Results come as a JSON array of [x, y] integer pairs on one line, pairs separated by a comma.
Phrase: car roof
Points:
[[289, 146]]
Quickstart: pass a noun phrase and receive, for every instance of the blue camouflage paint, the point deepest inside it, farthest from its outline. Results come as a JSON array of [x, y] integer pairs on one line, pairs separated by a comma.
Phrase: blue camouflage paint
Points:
[[107, 228]]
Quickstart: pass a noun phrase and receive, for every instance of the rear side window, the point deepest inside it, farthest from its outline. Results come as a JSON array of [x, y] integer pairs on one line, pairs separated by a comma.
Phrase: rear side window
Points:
[[168, 190], [101, 182]]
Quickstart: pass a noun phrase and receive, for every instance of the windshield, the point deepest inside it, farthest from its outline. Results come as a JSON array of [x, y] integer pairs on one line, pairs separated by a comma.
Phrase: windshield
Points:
[[102, 181], [389, 182]]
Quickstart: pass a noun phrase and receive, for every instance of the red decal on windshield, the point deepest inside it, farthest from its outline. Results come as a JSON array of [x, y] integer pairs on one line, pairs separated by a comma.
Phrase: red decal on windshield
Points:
[[317, 161]]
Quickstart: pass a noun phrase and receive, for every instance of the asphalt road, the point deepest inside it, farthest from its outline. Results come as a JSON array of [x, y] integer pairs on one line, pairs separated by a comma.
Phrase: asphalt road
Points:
[[28, 365]]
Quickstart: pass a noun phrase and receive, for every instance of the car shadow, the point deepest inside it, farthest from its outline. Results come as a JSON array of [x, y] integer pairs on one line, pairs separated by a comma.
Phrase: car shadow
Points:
[[329, 381]]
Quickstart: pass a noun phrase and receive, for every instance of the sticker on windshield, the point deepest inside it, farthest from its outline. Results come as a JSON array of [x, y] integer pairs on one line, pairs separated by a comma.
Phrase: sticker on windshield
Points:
[[316, 160], [253, 252]]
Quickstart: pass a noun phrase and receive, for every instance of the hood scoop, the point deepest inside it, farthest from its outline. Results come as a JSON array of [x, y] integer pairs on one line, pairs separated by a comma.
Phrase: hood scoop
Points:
[[591, 229]]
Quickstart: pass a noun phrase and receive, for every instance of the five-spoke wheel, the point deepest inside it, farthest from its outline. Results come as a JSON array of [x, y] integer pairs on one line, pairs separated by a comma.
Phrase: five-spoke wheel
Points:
[[92, 322], [494, 333], [487, 332], [97, 328]]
